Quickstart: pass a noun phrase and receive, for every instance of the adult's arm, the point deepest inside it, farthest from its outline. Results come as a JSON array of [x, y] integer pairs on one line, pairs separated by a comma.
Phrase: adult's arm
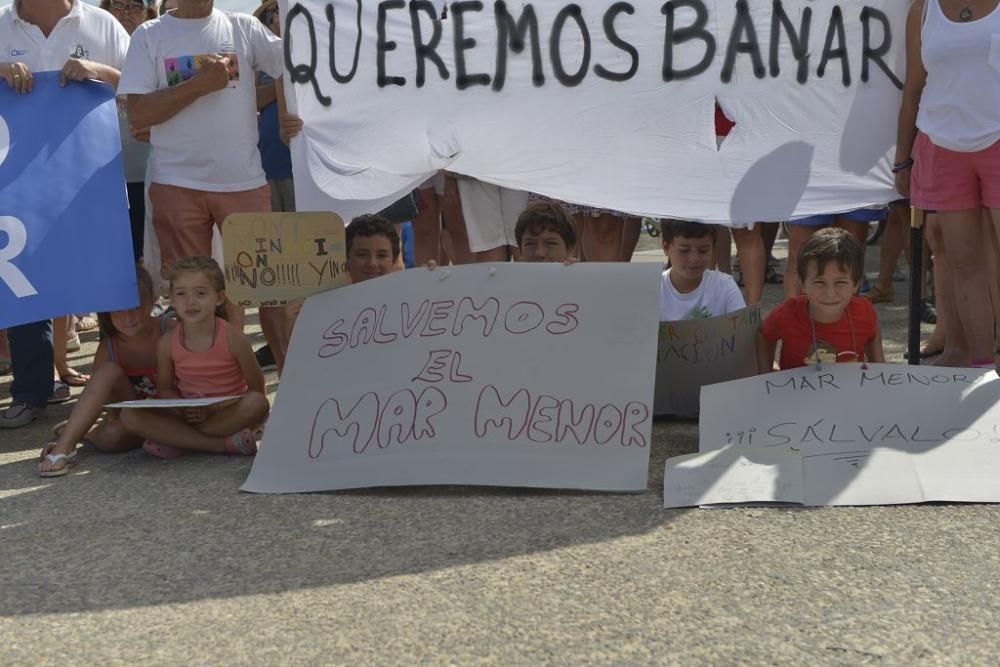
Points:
[[913, 87], [78, 69], [765, 353], [266, 94], [149, 109]]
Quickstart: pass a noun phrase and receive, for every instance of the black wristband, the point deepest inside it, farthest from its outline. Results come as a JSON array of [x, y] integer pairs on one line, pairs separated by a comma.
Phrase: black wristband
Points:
[[900, 166]]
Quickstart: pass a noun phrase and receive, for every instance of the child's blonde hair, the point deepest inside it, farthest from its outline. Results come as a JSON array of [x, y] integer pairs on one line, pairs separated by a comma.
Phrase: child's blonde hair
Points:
[[204, 265], [144, 282]]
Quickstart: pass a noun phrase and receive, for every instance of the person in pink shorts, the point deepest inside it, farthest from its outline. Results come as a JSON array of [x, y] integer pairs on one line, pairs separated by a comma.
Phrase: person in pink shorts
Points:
[[948, 158]]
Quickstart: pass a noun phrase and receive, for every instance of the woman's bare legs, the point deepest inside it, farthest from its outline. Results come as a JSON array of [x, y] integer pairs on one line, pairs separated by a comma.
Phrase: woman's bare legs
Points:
[[631, 230], [797, 236], [451, 211], [965, 299], [427, 228], [601, 237], [753, 261]]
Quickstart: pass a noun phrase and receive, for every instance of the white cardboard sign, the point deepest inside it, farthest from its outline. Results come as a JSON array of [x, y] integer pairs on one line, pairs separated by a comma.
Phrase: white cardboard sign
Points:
[[605, 103], [863, 435], [853, 407], [534, 375]]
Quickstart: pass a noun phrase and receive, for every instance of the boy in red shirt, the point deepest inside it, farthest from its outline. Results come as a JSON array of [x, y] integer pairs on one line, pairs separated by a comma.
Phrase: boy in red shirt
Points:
[[828, 323]]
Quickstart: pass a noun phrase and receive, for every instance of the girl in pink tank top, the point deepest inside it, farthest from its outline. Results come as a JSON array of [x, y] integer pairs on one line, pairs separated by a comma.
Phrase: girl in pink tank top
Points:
[[124, 370], [203, 357]]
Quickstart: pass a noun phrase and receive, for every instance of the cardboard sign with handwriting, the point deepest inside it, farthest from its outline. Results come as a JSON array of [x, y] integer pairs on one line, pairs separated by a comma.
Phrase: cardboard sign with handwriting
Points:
[[866, 435], [695, 353], [276, 258], [532, 375]]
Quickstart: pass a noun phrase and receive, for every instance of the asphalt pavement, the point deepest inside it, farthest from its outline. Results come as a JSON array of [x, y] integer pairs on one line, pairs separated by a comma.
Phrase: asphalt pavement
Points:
[[133, 560]]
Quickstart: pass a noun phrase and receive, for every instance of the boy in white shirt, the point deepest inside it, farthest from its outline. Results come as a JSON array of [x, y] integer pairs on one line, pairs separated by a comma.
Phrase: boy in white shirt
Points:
[[689, 289]]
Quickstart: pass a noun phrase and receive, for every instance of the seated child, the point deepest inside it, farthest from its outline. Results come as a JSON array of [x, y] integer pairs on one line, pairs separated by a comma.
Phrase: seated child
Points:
[[690, 290], [203, 356], [372, 248], [545, 233], [829, 323], [125, 368]]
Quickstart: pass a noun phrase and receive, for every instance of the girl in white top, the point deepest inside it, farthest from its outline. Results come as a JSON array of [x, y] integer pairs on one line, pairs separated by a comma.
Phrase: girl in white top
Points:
[[952, 166]]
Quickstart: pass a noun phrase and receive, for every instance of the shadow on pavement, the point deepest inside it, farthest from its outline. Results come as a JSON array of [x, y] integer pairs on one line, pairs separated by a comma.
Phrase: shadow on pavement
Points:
[[128, 530]]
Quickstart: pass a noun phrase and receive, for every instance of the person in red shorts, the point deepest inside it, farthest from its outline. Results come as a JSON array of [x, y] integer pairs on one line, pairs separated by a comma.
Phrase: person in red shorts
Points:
[[948, 161], [827, 324]]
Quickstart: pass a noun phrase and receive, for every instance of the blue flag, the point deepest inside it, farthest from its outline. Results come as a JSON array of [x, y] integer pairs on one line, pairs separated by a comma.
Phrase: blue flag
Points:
[[65, 239]]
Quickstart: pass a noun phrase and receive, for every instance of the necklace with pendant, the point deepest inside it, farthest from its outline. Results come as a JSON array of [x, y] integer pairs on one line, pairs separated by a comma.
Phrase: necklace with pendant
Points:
[[965, 13]]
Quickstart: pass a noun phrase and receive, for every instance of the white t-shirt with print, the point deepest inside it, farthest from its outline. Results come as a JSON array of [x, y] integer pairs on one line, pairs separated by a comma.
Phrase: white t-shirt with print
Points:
[[85, 32], [717, 294], [212, 143]]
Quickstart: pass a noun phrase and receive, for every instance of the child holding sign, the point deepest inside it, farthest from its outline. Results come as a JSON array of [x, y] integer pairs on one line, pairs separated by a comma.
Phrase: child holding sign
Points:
[[203, 357], [690, 290], [124, 370], [828, 323], [545, 233], [373, 248]]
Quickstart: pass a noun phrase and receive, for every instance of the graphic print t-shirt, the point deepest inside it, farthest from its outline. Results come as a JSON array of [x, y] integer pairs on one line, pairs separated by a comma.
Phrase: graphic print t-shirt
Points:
[[717, 294], [211, 144], [843, 340]]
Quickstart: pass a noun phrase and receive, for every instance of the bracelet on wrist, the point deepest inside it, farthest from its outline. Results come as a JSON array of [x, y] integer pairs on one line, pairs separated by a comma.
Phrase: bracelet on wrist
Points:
[[900, 166]]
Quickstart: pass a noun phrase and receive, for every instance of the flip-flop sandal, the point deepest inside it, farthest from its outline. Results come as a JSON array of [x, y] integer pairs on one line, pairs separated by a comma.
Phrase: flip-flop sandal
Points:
[[878, 295], [69, 459], [74, 379], [60, 393], [86, 323]]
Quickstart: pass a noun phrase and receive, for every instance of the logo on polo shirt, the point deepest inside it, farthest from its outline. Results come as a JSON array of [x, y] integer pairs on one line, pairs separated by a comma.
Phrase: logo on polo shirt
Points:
[[16, 53], [80, 52]]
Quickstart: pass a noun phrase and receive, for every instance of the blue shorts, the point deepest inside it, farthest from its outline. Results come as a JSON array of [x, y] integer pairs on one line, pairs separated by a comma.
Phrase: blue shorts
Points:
[[857, 215]]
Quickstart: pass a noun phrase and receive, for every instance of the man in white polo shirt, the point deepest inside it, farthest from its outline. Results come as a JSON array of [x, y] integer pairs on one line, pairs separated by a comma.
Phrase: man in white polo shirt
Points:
[[83, 42], [190, 79]]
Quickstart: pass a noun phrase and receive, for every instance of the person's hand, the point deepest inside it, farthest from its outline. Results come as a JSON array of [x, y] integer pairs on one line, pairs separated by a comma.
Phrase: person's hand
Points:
[[431, 265], [194, 415], [18, 77], [78, 69], [140, 135], [902, 178], [291, 125], [571, 260], [213, 74]]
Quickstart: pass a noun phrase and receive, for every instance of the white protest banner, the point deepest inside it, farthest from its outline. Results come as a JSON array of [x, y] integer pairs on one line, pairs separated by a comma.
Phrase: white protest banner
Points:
[[532, 375], [695, 353], [604, 103]]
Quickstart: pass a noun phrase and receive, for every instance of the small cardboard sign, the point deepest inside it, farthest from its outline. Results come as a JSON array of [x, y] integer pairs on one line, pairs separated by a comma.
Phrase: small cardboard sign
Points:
[[694, 353], [276, 258]]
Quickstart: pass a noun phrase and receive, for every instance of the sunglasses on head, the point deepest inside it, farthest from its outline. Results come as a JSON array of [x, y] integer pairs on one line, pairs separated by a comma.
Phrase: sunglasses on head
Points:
[[129, 7]]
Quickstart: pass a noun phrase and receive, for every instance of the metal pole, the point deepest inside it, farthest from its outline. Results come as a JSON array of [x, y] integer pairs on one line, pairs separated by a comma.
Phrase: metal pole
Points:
[[916, 281]]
